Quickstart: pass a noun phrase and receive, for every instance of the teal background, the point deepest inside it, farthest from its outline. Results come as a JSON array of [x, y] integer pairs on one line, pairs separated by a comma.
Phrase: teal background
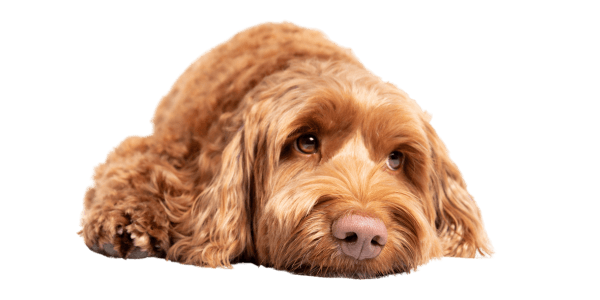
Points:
[[512, 86]]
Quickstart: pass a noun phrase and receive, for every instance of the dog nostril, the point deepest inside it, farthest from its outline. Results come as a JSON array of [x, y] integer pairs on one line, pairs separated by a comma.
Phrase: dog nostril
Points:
[[376, 241], [351, 237]]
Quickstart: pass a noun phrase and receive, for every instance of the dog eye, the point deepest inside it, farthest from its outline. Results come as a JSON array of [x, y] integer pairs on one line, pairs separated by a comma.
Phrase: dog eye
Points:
[[307, 144], [395, 160]]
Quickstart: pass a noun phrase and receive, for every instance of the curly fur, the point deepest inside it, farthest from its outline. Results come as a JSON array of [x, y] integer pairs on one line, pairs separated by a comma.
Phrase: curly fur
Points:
[[220, 181]]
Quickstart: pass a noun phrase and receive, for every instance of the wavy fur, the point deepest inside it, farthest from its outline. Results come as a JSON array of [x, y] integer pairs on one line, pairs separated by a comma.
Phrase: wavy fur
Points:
[[220, 180]]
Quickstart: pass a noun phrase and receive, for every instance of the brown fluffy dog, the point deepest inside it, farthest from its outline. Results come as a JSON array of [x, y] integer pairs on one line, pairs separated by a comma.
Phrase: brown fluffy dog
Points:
[[279, 148]]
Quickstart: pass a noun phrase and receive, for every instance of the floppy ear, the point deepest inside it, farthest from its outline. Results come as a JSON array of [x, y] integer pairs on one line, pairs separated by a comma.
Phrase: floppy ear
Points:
[[219, 220], [458, 220]]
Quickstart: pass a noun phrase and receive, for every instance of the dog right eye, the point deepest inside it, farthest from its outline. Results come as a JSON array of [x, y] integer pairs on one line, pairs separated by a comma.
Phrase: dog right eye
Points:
[[307, 144], [395, 160]]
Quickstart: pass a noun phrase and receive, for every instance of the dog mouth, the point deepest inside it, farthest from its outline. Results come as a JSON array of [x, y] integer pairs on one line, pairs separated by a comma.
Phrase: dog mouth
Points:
[[326, 258], [358, 272]]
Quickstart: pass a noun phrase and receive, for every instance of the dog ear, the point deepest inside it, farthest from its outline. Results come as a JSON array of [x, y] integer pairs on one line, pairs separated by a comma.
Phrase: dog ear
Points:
[[458, 219], [219, 221]]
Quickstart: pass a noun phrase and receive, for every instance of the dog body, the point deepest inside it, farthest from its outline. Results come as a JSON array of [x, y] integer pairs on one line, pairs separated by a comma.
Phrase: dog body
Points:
[[279, 148]]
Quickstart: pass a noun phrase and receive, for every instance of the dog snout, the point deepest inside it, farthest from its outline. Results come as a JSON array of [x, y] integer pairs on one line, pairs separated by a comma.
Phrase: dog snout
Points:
[[360, 237]]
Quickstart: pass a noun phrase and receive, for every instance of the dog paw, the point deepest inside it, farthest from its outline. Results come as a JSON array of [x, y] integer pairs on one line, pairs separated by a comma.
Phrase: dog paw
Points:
[[136, 232], [130, 243]]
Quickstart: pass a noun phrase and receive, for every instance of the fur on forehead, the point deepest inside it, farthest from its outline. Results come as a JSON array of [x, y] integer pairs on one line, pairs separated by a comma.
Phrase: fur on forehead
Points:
[[335, 98]]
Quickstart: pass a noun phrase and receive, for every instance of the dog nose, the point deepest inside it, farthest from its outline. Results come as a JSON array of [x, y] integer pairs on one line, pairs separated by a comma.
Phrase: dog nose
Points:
[[360, 237]]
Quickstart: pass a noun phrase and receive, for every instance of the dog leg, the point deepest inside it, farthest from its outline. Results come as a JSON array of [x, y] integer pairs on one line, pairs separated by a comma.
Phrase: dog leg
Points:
[[123, 214]]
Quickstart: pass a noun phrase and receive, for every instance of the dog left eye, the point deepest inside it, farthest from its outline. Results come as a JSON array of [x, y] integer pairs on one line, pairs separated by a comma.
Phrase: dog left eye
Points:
[[307, 144], [395, 160]]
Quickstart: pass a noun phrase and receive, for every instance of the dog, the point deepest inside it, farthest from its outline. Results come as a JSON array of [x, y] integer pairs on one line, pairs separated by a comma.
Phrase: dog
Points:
[[279, 148]]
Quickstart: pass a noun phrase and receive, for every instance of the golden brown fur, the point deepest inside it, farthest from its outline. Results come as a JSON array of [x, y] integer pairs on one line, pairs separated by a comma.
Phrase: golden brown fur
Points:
[[220, 181]]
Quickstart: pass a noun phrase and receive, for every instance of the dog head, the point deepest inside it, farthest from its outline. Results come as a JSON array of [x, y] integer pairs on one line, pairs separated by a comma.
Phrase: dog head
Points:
[[329, 171]]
